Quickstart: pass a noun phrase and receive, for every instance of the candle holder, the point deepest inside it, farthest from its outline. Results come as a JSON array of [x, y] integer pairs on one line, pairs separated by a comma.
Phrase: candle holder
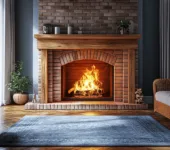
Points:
[[80, 30]]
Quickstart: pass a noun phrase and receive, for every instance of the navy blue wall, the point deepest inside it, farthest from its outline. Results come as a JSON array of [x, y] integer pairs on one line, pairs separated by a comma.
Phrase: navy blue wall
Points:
[[24, 38], [150, 44], [27, 25]]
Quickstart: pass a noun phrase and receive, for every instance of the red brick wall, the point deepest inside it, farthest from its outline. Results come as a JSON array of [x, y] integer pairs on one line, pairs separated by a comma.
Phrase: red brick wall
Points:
[[94, 16]]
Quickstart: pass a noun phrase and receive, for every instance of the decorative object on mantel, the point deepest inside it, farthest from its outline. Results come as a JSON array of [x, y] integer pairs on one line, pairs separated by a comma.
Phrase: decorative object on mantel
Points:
[[47, 29], [80, 30], [69, 29], [19, 85], [131, 27], [139, 96], [123, 26], [57, 30]]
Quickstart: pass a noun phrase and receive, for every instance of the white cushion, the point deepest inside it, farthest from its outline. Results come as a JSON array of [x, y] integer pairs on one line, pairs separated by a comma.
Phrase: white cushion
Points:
[[163, 96]]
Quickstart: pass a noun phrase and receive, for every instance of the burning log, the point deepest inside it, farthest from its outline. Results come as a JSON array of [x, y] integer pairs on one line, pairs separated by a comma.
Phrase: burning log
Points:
[[70, 91], [89, 84]]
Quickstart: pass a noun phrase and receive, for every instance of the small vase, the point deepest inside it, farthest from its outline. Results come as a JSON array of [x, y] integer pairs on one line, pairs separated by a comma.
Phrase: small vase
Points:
[[57, 30], [69, 29], [122, 31]]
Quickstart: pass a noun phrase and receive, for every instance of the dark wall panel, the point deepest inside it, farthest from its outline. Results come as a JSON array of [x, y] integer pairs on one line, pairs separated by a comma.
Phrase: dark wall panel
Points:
[[150, 44], [24, 34]]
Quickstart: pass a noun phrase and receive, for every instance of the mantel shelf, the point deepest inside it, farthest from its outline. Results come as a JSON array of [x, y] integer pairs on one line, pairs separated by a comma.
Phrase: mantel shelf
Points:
[[87, 41], [87, 37]]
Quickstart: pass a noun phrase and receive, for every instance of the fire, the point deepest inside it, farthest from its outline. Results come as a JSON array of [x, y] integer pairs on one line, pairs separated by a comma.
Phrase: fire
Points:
[[89, 84]]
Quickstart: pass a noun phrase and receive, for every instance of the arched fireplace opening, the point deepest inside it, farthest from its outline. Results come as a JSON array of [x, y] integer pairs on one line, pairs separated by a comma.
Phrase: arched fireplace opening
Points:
[[87, 80]]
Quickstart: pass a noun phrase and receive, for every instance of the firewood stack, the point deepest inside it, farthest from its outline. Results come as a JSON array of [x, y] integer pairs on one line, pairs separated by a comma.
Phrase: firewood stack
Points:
[[139, 96]]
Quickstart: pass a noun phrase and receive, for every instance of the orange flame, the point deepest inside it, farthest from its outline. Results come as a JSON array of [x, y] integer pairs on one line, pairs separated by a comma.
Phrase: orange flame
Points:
[[89, 84]]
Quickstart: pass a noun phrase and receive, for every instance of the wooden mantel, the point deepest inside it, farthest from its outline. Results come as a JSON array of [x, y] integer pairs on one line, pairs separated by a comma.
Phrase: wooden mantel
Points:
[[87, 42], [87, 36]]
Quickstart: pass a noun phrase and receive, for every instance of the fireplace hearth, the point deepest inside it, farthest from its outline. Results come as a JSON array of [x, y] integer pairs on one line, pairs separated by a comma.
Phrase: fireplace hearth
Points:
[[87, 68]]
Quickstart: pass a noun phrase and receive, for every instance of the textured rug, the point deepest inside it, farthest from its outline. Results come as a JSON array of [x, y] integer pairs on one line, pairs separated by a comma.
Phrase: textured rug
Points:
[[86, 131]]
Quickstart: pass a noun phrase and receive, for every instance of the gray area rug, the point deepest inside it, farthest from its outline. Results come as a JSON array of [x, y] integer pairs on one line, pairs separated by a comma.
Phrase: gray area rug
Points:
[[86, 131]]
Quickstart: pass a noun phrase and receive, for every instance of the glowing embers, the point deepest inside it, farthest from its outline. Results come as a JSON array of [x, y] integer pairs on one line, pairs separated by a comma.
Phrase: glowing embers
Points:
[[89, 84]]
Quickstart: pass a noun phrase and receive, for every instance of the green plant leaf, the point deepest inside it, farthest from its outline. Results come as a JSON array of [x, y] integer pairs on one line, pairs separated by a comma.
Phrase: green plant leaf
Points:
[[18, 82]]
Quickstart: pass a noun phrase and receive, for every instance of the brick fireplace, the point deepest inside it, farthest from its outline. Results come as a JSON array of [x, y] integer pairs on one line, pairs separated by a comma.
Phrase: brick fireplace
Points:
[[61, 55], [62, 66], [64, 59]]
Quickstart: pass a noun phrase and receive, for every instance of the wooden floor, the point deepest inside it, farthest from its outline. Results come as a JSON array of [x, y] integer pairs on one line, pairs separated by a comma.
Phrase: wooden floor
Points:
[[11, 114]]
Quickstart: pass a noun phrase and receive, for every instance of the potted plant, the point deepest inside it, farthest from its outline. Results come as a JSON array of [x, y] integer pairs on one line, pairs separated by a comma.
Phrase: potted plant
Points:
[[19, 85], [123, 26]]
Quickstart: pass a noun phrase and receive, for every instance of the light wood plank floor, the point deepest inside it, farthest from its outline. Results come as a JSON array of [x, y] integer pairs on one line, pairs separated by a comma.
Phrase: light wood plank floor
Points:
[[11, 114]]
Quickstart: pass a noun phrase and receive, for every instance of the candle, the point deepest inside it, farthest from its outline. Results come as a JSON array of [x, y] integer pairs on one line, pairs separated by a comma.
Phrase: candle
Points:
[[57, 30], [69, 29]]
